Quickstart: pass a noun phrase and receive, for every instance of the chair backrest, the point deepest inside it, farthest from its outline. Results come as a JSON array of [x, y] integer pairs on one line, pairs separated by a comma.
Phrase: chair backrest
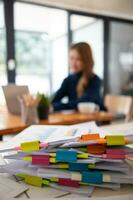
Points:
[[120, 104]]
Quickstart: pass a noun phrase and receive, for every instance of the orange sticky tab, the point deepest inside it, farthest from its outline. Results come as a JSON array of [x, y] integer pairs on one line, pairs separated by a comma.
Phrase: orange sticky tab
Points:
[[87, 137], [102, 141], [127, 141], [96, 149]]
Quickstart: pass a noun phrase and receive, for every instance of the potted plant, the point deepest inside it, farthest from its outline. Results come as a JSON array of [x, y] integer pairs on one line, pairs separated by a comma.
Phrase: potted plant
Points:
[[43, 106]]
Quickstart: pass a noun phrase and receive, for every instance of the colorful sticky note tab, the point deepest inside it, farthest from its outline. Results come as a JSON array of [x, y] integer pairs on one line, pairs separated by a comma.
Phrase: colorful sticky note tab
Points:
[[28, 158], [92, 177], [45, 182], [115, 153], [52, 154], [76, 176], [83, 155], [52, 160], [113, 140], [30, 146], [54, 179], [78, 166], [33, 180], [66, 156], [96, 149], [68, 182], [40, 160], [106, 178], [63, 166], [90, 136], [119, 151], [92, 166]]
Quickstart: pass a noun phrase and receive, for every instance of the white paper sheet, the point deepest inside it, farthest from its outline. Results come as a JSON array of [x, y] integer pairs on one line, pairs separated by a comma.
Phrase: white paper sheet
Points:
[[50, 133], [10, 189]]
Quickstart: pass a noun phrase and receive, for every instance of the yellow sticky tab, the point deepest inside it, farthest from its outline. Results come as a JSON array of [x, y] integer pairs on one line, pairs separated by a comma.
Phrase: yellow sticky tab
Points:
[[54, 179], [82, 183], [63, 166], [106, 178], [83, 149], [52, 160], [52, 154], [33, 180], [127, 141], [28, 158], [45, 182], [30, 146], [76, 176], [92, 166], [84, 155], [21, 175], [113, 140]]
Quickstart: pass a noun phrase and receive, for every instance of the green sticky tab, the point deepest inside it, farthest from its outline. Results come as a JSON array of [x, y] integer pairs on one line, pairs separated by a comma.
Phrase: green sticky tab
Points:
[[83, 149], [33, 180], [21, 175], [114, 140], [92, 166], [30, 146], [28, 158], [45, 182]]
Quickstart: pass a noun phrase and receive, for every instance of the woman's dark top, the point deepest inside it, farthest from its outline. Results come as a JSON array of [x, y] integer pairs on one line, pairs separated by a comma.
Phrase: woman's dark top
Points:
[[68, 89]]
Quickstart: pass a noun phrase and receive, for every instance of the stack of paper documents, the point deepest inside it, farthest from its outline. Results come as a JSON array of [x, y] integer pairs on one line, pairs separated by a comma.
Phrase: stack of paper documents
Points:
[[76, 163]]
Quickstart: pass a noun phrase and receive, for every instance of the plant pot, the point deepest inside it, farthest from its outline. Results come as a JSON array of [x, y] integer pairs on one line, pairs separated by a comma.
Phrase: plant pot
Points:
[[43, 112]]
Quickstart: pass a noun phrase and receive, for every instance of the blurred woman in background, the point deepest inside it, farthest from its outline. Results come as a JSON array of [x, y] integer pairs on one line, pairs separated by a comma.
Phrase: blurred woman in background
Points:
[[82, 85]]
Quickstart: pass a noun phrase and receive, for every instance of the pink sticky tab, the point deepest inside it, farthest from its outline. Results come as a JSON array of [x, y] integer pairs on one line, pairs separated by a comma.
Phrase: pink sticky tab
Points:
[[115, 151], [115, 154], [68, 182], [40, 160], [17, 148], [44, 145]]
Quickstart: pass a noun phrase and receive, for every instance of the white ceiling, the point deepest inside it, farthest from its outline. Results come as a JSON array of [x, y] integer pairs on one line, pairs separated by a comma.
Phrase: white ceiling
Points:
[[117, 8]]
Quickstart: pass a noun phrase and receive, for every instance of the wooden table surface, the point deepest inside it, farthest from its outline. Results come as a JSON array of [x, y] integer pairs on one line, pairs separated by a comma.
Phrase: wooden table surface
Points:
[[10, 124]]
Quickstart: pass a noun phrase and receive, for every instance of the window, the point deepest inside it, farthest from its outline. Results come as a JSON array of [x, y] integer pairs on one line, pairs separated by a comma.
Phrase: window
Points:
[[90, 30], [41, 46], [3, 77], [121, 58]]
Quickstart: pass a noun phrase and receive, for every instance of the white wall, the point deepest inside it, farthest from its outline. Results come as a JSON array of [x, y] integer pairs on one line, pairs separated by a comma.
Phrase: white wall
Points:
[[117, 8]]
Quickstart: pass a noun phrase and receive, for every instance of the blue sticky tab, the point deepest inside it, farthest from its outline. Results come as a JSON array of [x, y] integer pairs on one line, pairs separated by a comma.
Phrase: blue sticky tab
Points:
[[95, 177], [78, 166], [66, 156]]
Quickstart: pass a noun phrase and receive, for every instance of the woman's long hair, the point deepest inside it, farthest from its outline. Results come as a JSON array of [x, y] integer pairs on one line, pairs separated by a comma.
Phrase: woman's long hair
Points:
[[85, 53]]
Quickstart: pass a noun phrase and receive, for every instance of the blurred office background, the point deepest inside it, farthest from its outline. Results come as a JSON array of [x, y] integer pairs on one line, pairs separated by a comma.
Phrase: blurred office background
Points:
[[35, 36]]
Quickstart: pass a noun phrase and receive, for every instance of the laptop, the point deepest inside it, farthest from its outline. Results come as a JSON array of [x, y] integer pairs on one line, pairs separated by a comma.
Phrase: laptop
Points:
[[11, 93]]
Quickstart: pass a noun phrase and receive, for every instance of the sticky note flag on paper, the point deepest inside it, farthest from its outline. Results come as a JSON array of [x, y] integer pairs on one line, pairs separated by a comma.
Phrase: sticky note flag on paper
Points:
[[68, 182], [52, 160], [92, 166], [83, 155], [30, 146], [78, 166], [113, 140], [45, 182], [28, 158], [96, 149], [66, 156], [76, 176], [87, 137], [106, 178], [33, 180], [115, 153], [92, 177], [40, 159], [54, 179], [63, 166]]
